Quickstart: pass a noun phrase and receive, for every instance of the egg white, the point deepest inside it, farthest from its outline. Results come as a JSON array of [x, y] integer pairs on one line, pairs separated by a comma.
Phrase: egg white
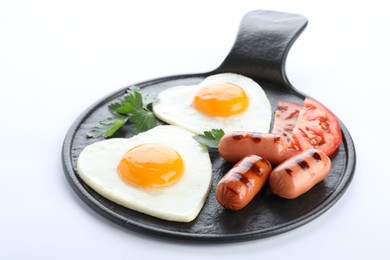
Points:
[[175, 107], [180, 201]]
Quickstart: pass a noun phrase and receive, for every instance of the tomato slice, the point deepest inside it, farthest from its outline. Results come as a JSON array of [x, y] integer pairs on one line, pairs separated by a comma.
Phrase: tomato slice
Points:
[[285, 118], [316, 127]]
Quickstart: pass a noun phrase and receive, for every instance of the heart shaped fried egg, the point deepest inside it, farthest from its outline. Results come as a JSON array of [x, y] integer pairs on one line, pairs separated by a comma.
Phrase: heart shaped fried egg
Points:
[[162, 172], [227, 101]]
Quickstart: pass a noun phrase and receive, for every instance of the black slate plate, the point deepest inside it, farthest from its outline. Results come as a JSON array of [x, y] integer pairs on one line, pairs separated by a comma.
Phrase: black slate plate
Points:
[[259, 52]]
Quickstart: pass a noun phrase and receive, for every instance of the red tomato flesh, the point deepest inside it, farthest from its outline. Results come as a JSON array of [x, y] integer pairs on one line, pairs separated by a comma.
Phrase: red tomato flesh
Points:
[[285, 118], [316, 127]]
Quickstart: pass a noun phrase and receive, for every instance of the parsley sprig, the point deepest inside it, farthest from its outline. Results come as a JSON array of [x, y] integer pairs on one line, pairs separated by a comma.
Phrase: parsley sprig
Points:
[[210, 138], [131, 108]]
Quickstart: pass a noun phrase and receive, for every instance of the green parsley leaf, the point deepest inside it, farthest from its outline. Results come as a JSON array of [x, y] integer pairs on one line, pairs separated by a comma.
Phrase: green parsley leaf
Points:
[[107, 127], [115, 125], [143, 120], [210, 138], [147, 98], [113, 107], [125, 108], [134, 98], [131, 108]]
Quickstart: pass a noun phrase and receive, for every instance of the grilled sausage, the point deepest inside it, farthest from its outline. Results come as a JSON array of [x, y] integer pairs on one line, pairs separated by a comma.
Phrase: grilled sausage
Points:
[[236, 145], [299, 174], [239, 185]]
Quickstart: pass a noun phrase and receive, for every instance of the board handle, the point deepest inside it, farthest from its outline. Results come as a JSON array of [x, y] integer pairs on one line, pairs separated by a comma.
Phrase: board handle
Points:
[[262, 44]]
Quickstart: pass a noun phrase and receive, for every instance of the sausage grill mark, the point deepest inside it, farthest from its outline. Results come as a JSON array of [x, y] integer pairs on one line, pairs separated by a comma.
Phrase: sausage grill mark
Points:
[[240, 177], [237, 136], [256, 137], [289, 171], [303, 164], [246, 181], [257, 170], [253, 167], [232, 190], [316, 156]]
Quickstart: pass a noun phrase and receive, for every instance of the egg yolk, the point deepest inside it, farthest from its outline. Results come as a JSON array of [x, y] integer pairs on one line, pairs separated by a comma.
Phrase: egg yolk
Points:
[[221, 99], [151, 165]]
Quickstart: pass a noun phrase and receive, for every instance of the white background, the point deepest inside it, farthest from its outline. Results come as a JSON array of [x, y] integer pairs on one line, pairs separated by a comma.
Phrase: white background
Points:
[[58, 57]]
